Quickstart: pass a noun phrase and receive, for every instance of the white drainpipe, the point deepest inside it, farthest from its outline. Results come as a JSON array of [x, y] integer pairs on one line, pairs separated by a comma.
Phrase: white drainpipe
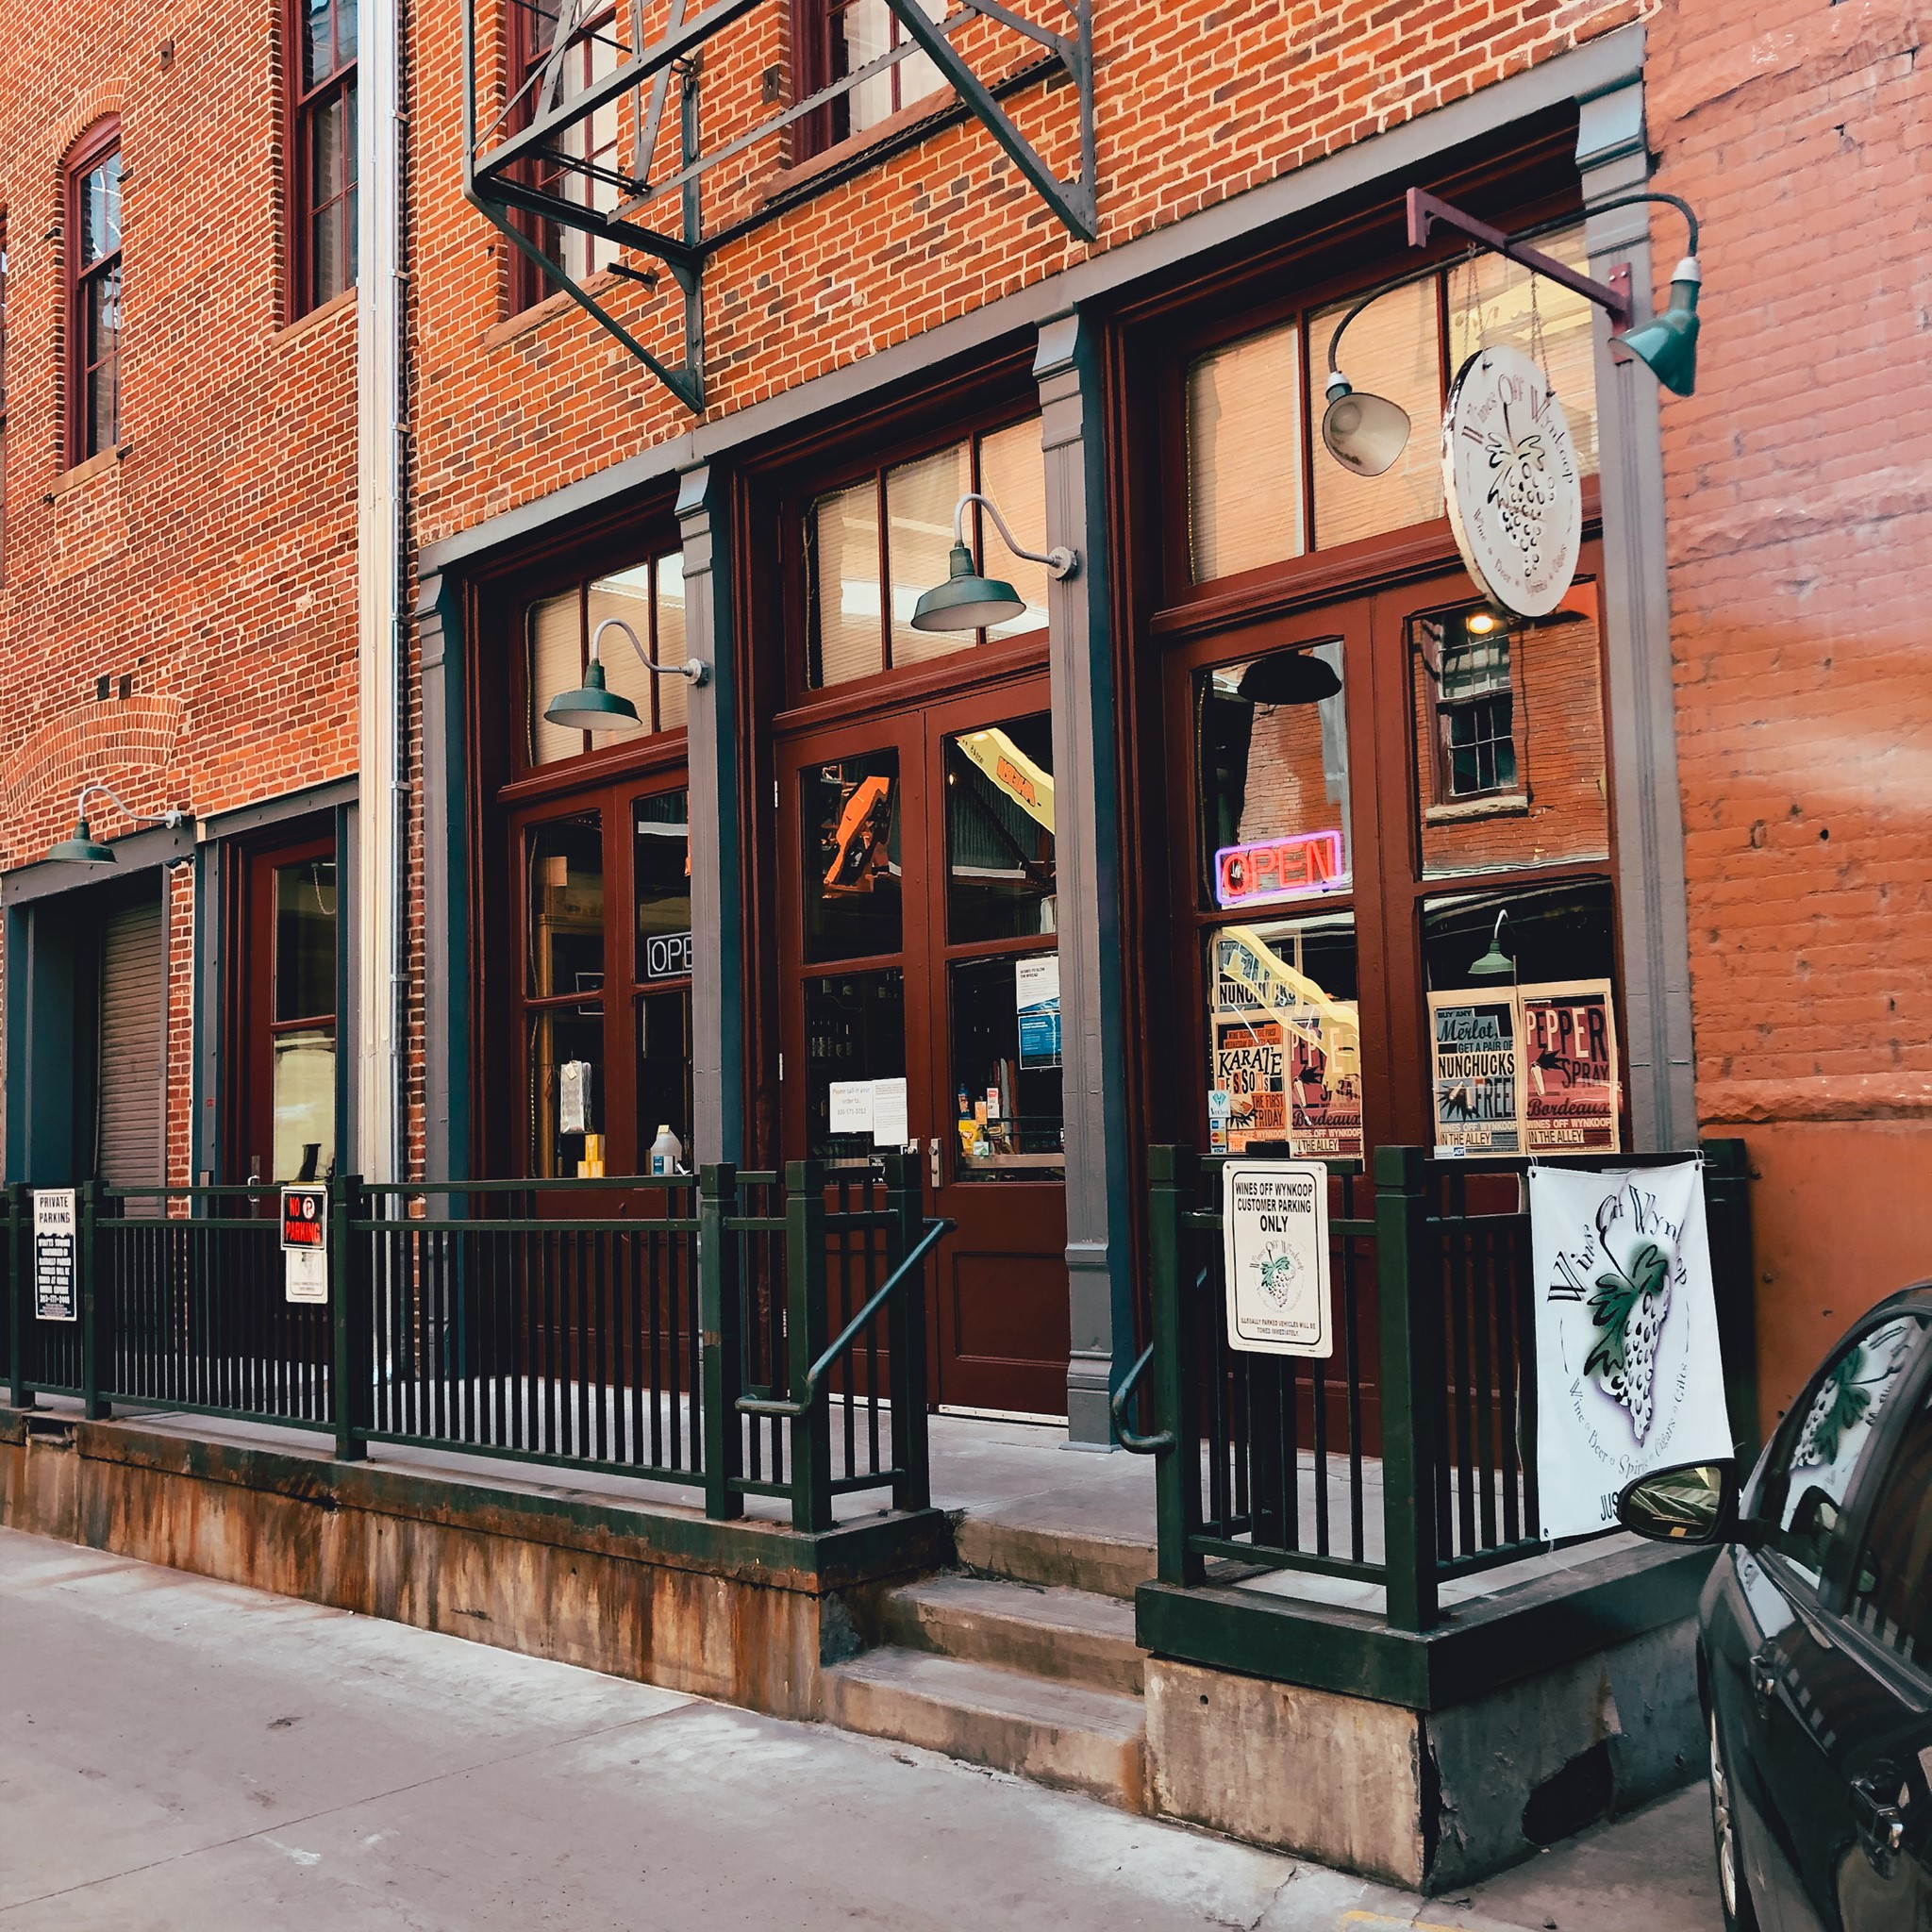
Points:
[[380, 966]]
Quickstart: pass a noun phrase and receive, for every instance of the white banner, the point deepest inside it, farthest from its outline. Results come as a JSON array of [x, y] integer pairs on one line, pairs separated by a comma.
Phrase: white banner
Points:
[[1628, 1374]]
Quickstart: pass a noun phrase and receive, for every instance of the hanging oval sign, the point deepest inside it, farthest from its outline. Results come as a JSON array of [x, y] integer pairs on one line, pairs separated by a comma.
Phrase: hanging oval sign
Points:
[[1510, 475]]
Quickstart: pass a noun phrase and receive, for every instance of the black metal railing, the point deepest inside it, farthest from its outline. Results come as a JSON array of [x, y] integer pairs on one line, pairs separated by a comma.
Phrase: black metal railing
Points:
[[1406, 1459], [677, 1329]]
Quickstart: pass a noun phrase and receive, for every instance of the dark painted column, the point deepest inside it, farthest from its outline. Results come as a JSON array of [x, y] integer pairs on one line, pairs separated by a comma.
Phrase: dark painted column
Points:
[[1087, 859], [445, 885], [716, 905], [1613, 158]]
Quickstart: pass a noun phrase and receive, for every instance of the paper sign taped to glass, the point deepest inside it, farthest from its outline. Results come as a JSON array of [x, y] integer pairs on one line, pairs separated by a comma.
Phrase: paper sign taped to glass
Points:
[[1628, 1373], [1036, 995], [1287, 1054], [1476, 1087], [1274, 1251], [1568, 1032]]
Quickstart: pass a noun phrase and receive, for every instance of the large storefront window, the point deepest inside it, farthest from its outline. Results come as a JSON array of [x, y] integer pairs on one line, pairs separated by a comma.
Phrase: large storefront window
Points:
[[873, 547], [1254, 408], [605, 1033]]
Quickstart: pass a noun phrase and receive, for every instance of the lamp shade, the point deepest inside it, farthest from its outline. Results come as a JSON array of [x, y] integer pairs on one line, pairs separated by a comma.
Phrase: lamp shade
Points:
[[1363, 433], [1288, 677], [967, 601], [1494, 964], [81, 849], [1667, 344], [592, 707]]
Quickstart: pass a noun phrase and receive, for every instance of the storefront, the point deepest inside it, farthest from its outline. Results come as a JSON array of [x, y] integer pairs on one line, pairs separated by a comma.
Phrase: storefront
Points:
[[1257, 827]]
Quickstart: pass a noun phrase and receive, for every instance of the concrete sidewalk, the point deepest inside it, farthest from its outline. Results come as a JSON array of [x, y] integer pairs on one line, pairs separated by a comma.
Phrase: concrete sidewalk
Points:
[[184, 1754]]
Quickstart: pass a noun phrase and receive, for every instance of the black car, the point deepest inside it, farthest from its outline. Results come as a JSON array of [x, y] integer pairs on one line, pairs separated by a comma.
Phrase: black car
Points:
[[1815, 1641]]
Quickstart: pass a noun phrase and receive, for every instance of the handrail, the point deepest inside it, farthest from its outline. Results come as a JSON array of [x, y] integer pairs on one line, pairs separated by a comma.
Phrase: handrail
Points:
[[1127, 1438], [800, 1404]]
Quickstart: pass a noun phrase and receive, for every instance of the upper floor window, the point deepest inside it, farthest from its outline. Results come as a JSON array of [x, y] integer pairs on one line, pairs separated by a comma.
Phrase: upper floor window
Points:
[[586, 166], [324, 215], [1260, 488], [649, 597], [850, 35], [93, 322], [872, 548]]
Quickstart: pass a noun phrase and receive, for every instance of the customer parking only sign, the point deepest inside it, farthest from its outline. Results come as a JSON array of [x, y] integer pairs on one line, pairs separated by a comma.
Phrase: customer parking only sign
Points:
[[1275, 1237], [305, 1244]]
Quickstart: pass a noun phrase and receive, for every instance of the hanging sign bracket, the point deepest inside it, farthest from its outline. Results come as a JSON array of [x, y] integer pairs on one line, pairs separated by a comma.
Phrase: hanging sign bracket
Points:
[[1426, 210]]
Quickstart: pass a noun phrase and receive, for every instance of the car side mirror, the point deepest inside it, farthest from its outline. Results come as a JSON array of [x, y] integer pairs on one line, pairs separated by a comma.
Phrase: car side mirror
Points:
[[1693, 1503]]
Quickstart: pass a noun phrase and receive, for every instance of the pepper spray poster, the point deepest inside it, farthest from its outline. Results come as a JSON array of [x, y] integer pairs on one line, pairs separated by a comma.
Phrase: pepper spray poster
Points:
[[1628, 1373], [1569, 1067], [1274, 1247]]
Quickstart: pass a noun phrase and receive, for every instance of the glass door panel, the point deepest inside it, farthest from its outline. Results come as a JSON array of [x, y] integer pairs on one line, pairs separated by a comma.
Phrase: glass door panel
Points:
[[851, 875], [854, 1038]]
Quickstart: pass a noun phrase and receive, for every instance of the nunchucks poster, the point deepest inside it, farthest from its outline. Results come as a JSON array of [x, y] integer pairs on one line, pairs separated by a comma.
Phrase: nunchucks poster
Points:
[[1628, 1375]]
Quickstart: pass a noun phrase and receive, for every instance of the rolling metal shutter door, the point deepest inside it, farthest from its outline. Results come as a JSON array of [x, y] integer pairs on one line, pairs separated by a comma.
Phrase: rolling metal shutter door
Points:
[[131, 1016]]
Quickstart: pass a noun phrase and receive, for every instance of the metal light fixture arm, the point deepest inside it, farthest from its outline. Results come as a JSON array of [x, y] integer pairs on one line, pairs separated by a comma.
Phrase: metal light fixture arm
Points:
[[693, 668], [1060, 562], [172, 817]]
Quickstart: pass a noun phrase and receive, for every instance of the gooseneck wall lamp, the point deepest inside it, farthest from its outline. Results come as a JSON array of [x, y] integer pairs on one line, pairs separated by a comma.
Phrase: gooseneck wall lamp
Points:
[[1367, 433], [1495, 963], [84, 849], [967, 601], [594, 707]]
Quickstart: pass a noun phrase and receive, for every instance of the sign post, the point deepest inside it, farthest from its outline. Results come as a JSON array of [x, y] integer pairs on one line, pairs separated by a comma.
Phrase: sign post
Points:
[[304, 1244]]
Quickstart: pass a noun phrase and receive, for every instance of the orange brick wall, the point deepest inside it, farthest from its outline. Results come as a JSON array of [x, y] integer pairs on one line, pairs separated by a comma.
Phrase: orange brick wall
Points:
[[1800, 552]]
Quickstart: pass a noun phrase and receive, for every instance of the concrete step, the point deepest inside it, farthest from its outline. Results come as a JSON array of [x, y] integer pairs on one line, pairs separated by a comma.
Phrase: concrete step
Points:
[[1066, 1735], [1053, 1556], [1072, 1636]]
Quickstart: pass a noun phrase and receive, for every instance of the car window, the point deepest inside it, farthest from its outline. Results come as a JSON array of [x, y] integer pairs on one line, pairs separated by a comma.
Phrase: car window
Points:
[[1826, 1440], [1891, 1586]]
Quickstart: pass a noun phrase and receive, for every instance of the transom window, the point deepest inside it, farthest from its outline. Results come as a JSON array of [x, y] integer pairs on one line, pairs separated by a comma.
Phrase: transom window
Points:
[[649, 597], [94, 309], [325, 152], [874, 547], [1262, 490]]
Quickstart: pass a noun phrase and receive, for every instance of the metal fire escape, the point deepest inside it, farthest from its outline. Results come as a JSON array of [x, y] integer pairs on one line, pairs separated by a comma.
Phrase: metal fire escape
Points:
[[536, 161]]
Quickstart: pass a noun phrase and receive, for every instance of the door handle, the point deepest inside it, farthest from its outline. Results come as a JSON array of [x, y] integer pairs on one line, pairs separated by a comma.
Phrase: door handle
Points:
[[933, 1162], [1763, 1678], [1881, 1822]]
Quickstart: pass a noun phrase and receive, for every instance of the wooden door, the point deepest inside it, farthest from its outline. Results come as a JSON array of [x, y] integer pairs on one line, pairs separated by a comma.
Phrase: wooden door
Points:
[[916, 901]]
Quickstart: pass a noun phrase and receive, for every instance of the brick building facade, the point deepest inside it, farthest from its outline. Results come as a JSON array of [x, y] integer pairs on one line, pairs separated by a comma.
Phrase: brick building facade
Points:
[[1715, 811]]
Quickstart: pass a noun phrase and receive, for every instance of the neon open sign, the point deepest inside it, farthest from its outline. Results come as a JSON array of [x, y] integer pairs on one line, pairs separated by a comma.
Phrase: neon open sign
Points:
[[1288, 868]]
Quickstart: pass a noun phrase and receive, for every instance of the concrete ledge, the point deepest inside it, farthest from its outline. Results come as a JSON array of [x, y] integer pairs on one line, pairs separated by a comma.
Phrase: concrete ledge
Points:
[[1487, 1641], [748, 1612]]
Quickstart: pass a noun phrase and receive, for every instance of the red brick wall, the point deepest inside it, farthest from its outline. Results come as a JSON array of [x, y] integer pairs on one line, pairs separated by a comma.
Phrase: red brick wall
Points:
[[1195, 102], [1800, 550], [215, 563]]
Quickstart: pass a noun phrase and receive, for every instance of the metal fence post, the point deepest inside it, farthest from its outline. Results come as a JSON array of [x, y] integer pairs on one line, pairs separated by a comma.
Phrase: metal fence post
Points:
[[906, 1337], [805, 1340], [20, 1289], [350, 1317], [721, 1342], [1172, 1175], [95, 1341], [1733, 1268], [1411, 1368]]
